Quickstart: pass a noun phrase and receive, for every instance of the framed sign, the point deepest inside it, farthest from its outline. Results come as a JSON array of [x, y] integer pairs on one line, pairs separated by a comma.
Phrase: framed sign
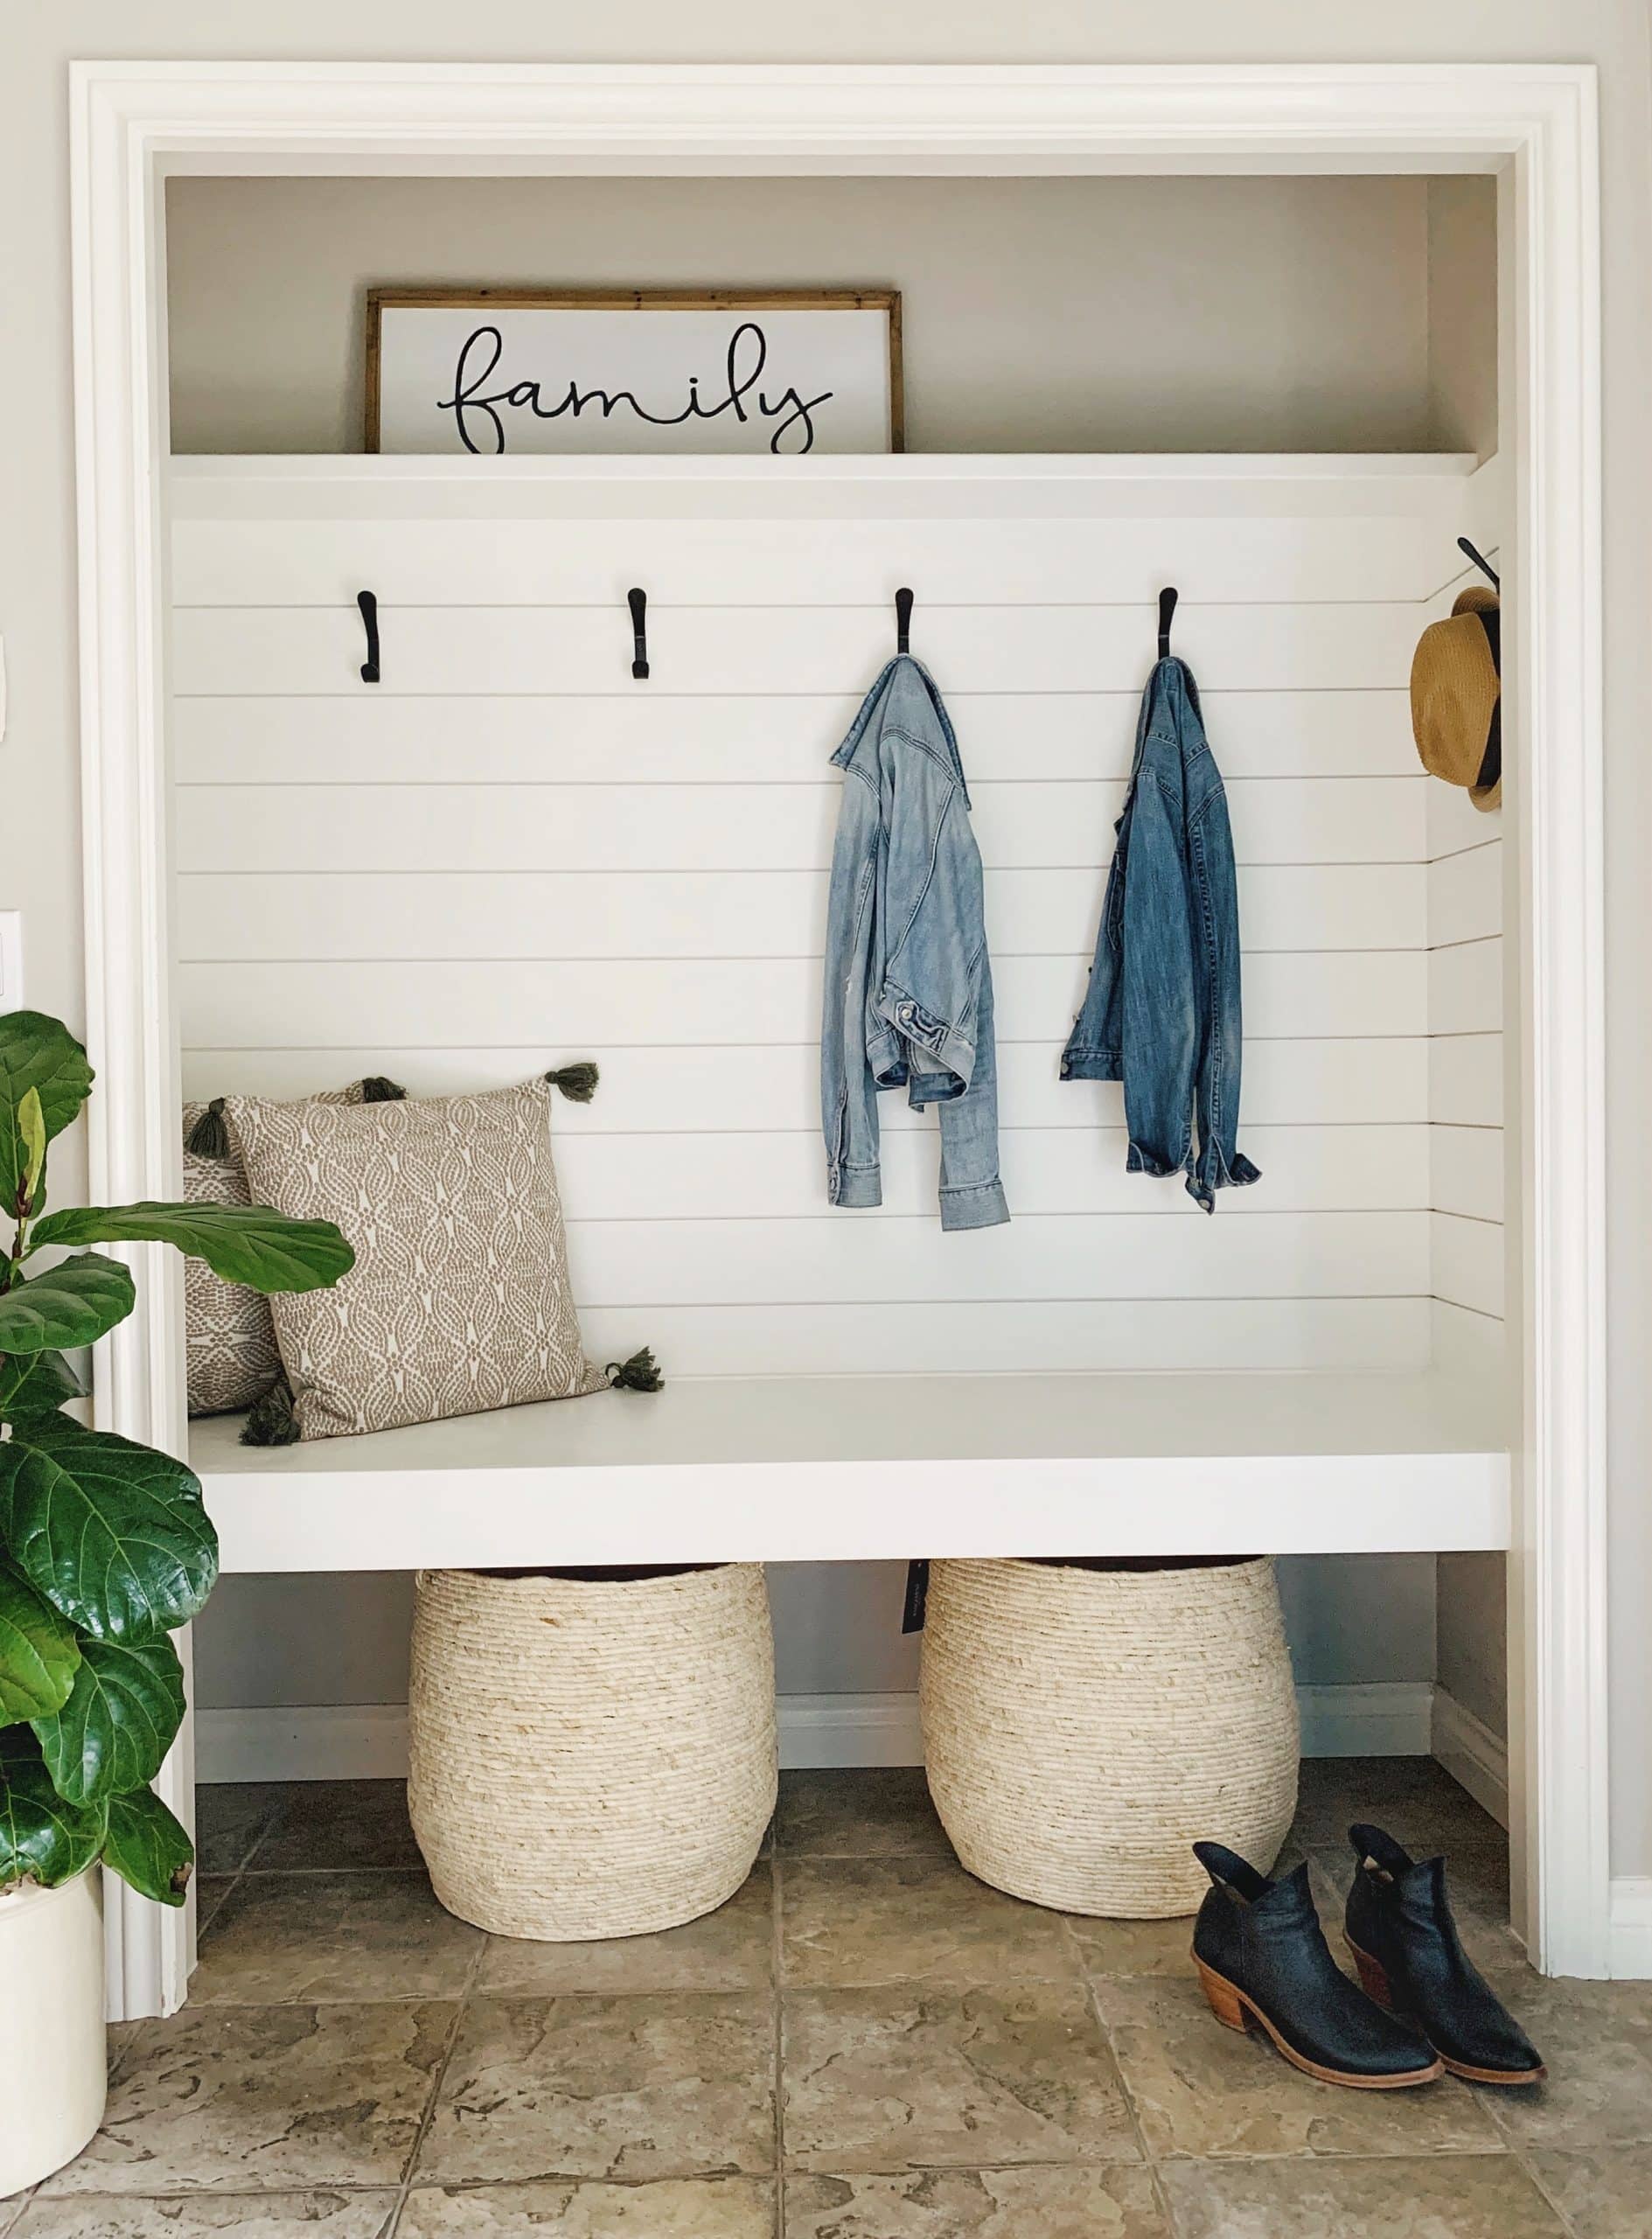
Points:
[[780, 372]]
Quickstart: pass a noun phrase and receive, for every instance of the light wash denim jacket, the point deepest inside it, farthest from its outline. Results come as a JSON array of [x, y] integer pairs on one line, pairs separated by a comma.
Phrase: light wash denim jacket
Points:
[[909, 986], [1161, 1013]]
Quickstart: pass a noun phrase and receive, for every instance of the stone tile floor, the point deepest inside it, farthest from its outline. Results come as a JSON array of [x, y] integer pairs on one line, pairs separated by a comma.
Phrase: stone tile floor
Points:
[[864, 2044]]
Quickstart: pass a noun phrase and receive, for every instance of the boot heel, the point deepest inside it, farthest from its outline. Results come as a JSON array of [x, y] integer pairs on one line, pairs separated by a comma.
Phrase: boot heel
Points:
[[1225, 1999], [1373, 1980]]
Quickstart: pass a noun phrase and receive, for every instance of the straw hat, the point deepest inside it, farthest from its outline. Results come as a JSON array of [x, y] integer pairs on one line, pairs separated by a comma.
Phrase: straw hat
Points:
[[1457, 697]]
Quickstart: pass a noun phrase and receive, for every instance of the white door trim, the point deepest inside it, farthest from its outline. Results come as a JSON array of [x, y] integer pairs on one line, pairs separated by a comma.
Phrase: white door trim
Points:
[[133, 122]]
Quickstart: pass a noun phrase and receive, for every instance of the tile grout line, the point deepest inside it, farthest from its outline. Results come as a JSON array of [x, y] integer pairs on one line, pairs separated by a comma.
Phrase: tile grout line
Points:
[[437, 2081], [1520, 2154], [777, 1963], [1149, 2159]]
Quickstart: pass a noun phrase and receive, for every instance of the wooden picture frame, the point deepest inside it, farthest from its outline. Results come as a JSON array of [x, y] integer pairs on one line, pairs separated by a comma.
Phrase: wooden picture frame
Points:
[[380, 299]]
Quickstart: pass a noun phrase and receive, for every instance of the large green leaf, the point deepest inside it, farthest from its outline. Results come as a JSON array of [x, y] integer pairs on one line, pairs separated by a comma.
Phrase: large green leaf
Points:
[[36, 1384], [73, 1304], [147, 1847], [123, 1710], [244, 1244], [39, 1652], [42, 1838], [113, 1534], [38, 1053]]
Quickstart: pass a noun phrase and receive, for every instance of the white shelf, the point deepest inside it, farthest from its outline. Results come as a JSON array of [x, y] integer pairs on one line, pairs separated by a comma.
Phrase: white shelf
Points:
[[853, 1468], [356, 487]]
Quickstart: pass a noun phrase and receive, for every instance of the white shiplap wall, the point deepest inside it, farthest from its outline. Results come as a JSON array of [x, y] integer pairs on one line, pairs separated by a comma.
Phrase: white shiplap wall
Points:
[[509, 853]]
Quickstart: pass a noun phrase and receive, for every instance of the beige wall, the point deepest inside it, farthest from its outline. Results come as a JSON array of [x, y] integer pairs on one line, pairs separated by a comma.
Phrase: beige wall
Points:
[[1039, 314], [36, 596]]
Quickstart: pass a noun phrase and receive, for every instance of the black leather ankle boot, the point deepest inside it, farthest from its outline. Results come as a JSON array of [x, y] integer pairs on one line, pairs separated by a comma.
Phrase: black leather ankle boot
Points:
[[1409, 1958], [1261, 1953]]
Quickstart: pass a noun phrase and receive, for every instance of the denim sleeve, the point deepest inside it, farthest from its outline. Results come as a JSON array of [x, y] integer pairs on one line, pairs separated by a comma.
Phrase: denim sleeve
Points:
[[1158, 1007], [971, 1193], [924, 1020], [1219, 1164], [849, 1094]]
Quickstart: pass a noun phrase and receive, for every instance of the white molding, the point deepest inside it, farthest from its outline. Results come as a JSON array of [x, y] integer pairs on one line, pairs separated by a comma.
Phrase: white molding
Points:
[[131, 120], [360, 1742], [1476, 1758], [824, 1730], [1632, 1929], [1378, 1719]]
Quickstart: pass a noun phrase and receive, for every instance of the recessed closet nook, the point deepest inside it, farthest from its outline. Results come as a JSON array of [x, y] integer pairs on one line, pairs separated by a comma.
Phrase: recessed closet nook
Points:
[[1280, 395]]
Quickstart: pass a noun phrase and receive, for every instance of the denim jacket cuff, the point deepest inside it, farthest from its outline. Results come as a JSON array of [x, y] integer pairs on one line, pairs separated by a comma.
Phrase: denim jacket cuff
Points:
[[1081, 1061], [936, 1045], [923, 1089], [973, 1204], [854, 1186]]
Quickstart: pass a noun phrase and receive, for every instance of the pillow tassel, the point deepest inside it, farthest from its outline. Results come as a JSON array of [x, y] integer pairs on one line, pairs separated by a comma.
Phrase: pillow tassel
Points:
[[577, 1083], [270, 1422], [209, 1137], [640, 1373], [376, 1090]]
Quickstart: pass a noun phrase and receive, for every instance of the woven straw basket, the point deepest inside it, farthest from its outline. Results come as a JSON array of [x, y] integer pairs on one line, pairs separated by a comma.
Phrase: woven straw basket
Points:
[[1082, 1728], [590, 1757]]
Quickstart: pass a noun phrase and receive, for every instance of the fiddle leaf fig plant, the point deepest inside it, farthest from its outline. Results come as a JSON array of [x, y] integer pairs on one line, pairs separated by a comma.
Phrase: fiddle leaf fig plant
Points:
[[105, 1546]]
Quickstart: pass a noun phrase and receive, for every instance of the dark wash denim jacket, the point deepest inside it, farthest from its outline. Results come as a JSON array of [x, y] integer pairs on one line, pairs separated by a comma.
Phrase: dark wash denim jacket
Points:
[[1161, 1013], [909, 986]]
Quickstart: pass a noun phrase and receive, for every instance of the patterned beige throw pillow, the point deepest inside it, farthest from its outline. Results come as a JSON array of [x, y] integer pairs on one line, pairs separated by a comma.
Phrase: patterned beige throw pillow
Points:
[[230, 1353], [459, 1298]]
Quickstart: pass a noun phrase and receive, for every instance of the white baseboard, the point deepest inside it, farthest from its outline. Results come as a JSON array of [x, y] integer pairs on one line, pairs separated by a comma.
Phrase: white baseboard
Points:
[[1382, 1719], [1476, 1758], [326, 1741], [354, 1741], [1630, 1945]]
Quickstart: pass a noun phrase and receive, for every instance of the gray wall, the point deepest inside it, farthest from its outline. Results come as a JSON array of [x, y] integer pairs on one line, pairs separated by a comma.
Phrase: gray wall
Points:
[[37, 759]]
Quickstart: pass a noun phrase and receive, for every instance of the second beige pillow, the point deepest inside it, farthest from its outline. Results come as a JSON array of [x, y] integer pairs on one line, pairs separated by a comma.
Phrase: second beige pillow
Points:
[[459, 1299]]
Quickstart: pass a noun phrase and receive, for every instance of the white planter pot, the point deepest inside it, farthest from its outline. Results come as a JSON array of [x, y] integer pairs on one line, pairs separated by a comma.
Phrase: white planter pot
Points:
[[52, 1996]]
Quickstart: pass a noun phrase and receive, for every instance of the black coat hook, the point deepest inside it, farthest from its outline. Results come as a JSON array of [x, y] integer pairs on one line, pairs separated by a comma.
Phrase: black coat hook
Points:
[[638, 602], [369, 606], [1167, 609], [903, 621], [1481, 561]]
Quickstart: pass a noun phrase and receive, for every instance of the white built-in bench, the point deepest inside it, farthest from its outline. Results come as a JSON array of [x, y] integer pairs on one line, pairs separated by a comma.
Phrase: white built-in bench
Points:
[[839, 1467]]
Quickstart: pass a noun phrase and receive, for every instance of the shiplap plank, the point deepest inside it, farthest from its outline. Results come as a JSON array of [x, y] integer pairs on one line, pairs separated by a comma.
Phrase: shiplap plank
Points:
[[737, 1002], [659, 736], [271, 916], [818, 563], [1465, 988], [277, 650], [1466, 1171], [1470, 1349], [1465, 896], [1465, 1080], [1454, 824], [738, 828], [1004, 1336], [665, 1091], [845, 1260], [1467, 1260], [782, 1177]]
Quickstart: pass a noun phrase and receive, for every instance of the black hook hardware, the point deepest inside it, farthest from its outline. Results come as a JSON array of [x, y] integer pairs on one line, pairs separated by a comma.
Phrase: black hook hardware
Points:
[[638, 602], [369, 606], [903, 621], [1167, 608], [1481, 561]]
